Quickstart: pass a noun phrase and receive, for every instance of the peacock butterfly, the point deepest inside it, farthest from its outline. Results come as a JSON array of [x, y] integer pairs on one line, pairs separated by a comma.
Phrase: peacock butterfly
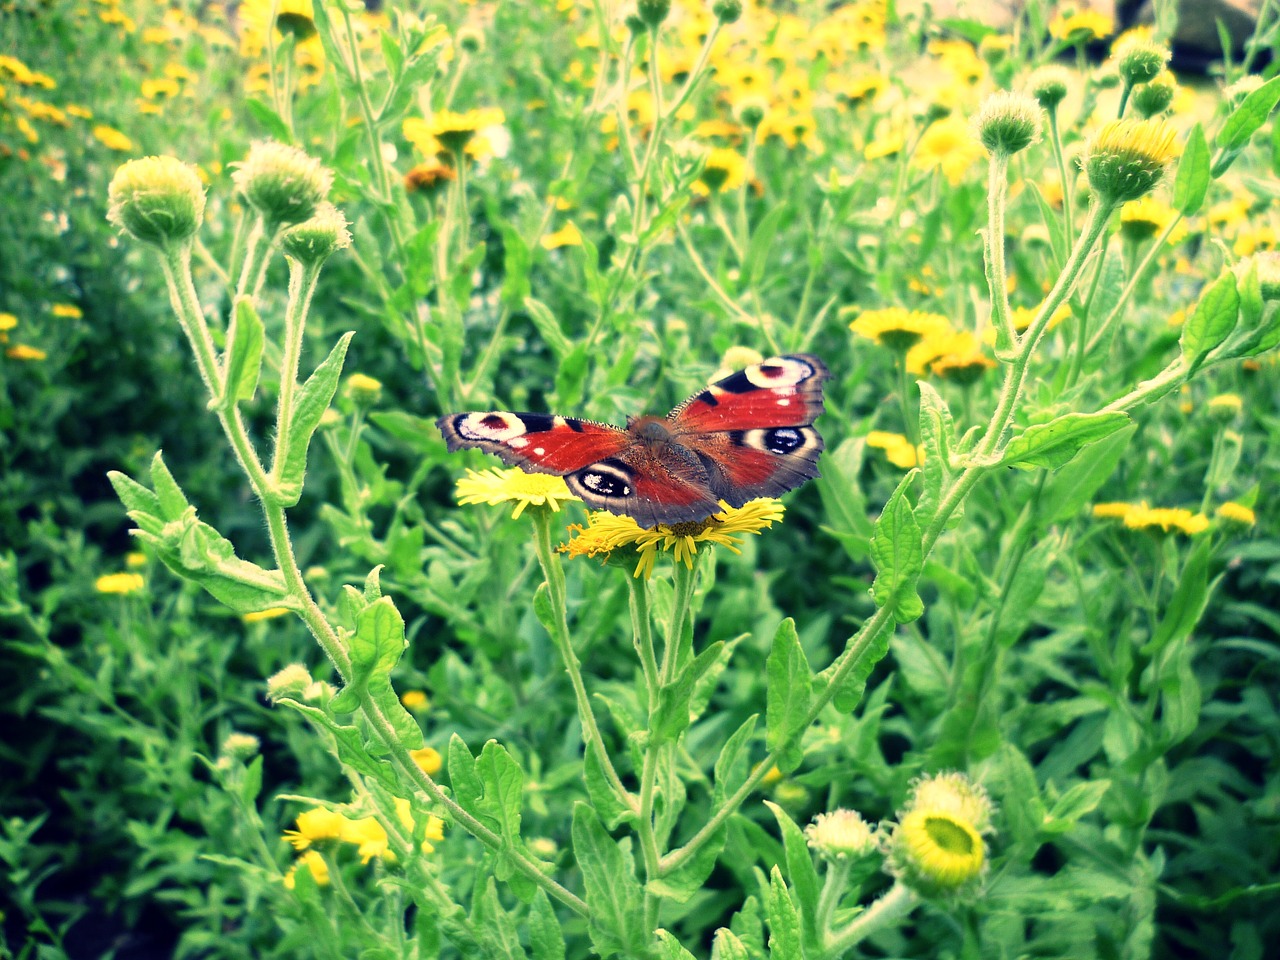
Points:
[[749, 435]]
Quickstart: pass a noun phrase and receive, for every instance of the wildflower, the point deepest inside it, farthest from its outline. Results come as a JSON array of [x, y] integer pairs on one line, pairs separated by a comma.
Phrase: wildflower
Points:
[[160, 88], [494, 486], [158, 200], [840, 834], [948, 145], [1233, 512], [1262, 237], [112, 139], [1154, 96], [318, 237], [1143, 218], [566, 236], [1225, 406], [963, 362], [22, 351], [240, 746], [7, 322], [1081, 26], [606, 533], [653, 12], [725, 170], [271, 613], [415, 701], [363, 390], [121, 583], [936, 847], [1112, 511], [315, 864], [66, 311], [24, 75], [1138, 57], [1142, 517], [897, 328], [1007, 122], [284, 184], [428, 758], [428, 177], [315, 826], [289, 682], [452, 131], [898, 450], [1126, 158]]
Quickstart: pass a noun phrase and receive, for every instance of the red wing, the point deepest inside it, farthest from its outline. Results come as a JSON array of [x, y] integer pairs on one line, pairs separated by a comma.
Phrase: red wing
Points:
[[534, 442], [742, 465], [778, 392], [647, 486]]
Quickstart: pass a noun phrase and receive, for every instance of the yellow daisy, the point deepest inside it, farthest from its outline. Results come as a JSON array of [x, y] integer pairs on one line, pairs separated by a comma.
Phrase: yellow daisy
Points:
[[495, 486]]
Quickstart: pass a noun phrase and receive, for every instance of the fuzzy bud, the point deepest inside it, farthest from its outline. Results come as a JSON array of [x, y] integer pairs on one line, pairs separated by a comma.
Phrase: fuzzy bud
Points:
[[1007, 122], [312, 241], [840, 835], [1140, 59], [289, 682], [727, 11], [1126, 158], [1154, 96], [1049, 85], [158, 200], [750, 110], [282, 182], [653, 12], [363, 390]]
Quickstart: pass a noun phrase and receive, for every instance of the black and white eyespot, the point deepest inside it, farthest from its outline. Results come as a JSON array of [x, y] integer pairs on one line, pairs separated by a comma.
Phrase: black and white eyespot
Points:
[[606, 480], [772, 374], [783, 441], [495, 427]]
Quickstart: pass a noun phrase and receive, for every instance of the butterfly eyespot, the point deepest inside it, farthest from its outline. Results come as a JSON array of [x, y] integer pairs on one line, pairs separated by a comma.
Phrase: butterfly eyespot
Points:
[[781, 372], [501, 427], [609, 480], [782, 440]]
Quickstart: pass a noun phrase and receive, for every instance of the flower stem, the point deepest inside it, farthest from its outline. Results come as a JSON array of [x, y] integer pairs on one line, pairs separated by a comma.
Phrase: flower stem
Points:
[[895, 904]]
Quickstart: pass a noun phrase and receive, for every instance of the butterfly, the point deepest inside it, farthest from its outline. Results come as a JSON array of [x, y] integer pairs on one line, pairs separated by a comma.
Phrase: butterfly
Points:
[[749, 435]]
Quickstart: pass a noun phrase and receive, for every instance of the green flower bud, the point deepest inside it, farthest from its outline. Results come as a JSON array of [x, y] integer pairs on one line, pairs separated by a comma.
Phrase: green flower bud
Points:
[[158, 200], [312, 241], [282, 182], [1049, 85], [1268, 265], [1154, 96], [750, 110], [1007, 122], [1139, 59], [653, 12], [240, 746], [1126, 158], [727, 11], [470, 39], [363, 390], [289, 682]]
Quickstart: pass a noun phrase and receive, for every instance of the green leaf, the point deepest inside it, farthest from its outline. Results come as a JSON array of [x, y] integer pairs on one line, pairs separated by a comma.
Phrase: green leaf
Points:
[[376, 647], [803, 876], [731, 765], [761, 244], [1192, 180], [548, 327], [1056, 443], [1186, 606], [1213, 318], [671, 718], [311, 402], [173, 502], [784, 922], [244, 354], [1251, 114], [898, 552], [270, 120], [1081, 799], [1069, 489], [790, 684], [571, 376], [616, 921], [936, 433], [691, 877], [608, 806], [136, 498], [503, 784], [669, 947], [726, 946], [495, 926], [546, 939], [347, 743], [467, 788]]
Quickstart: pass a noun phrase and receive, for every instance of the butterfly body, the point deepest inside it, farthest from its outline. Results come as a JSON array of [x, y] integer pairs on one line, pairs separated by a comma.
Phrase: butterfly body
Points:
[[749, 435]]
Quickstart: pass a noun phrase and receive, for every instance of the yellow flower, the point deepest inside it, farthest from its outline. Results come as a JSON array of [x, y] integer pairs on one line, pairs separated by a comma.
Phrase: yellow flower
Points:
[[428, 177], [67, 311], [1125, 159], [566, 236], [1080, 26], [1112, 511], [7, 322], [112, 139], [450, 130], [936, 847], [269, 614], [948, 145], [495, 486], [23, 75], [1143, 218], [725, 170], [428, 758], [962, 361], [313, 862], [1142, 517], [1230, 403], [160, 88], [21, 351], [897, 328], [887, 144], [1236, 513], [415, 701], [606, 533], [315, 825], [119, 583], [898, 450]]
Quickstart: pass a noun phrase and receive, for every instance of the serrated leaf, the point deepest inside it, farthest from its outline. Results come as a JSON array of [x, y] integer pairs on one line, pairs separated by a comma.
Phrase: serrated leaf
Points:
[[1081, 799], [607, 804], [1192, 179], [731, 765], [803, 876], [503, 783], [898, 552], [1057, 442], [726, 946], [613, 894], [681, 884], [244, 354], [467, 788], [495, 926], [1068, 490], [936, 433], [270, 120], [1212, 320], [790, 684], [669, 947], [784, 922], [312, 400], [548, 327], [671, 718], [135, 497], [1249, 116], [546, 939]]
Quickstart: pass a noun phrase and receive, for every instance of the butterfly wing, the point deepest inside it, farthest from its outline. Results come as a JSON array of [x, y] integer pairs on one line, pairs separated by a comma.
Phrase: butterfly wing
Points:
[[753, 431]]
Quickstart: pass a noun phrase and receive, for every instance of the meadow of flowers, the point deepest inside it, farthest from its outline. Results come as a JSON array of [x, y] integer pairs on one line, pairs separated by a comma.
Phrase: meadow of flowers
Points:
[[285, 677]]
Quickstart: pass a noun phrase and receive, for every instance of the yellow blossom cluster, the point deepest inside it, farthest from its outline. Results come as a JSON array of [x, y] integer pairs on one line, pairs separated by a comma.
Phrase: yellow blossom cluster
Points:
[[322, 829]]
